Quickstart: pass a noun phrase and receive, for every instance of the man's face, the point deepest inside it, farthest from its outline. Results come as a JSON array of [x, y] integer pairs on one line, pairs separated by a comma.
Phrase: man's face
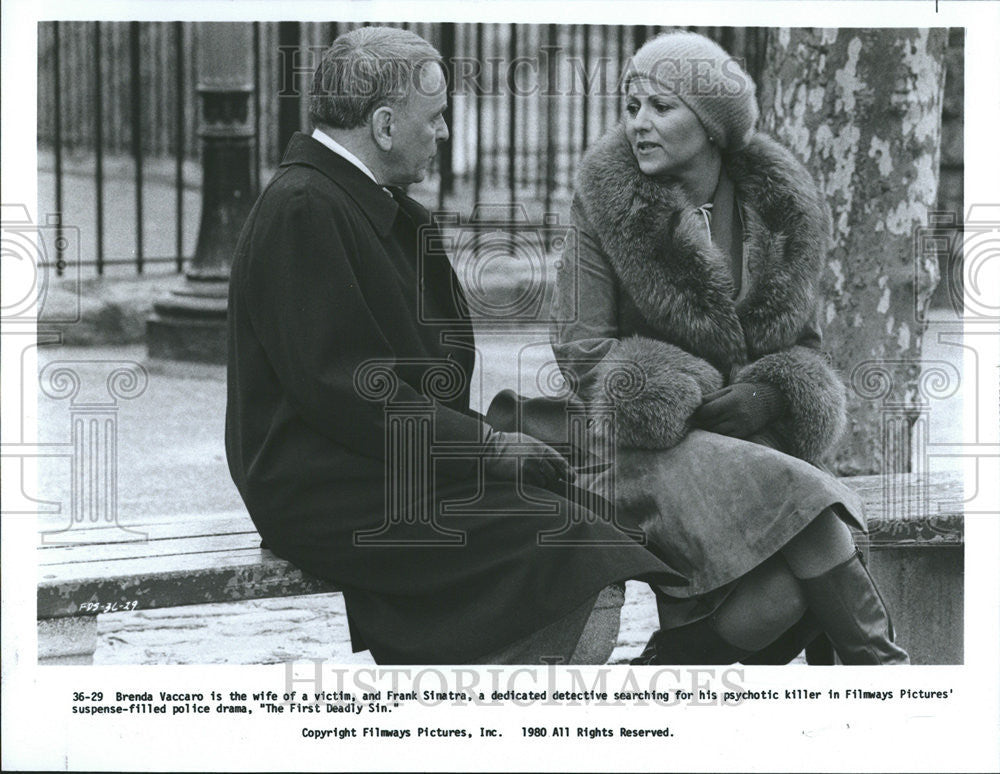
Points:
[[418, 125]]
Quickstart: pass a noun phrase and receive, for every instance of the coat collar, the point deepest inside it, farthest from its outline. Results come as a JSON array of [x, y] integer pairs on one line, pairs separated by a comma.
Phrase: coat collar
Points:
[[657, 245], [368, 195]]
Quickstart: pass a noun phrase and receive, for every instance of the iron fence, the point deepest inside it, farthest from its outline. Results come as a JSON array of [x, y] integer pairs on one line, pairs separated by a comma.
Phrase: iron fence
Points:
[[525, 101]]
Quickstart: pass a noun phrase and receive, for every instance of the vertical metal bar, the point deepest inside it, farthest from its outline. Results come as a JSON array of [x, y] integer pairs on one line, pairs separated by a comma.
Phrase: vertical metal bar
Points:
[[136, 100], [179, 143], [265, 89], [70, 125], [755, 67], [494, 119], [304, 79], [550, 139], [488, 120], [158, 124], [57, 103], [638, 37], [467, 44], [571, 139], [585, 55], [606, 97], [621, 66], [541, 106], [512, 115], [289, 94], [478, 173], [446, 177], [99, 146], [256, 106], [728, 38], [739, 45], [529, 131]]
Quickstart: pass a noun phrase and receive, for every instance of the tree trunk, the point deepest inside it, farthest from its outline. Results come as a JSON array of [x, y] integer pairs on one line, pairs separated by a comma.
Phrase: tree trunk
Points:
[[862, 110]]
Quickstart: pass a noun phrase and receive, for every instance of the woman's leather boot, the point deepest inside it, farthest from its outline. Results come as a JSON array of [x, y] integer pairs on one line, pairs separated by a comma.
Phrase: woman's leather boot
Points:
[[693, 643], [850, 609]]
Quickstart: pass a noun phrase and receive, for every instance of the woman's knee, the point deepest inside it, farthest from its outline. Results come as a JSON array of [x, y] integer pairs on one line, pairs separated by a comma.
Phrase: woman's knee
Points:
[[766, 603], [825, 543]]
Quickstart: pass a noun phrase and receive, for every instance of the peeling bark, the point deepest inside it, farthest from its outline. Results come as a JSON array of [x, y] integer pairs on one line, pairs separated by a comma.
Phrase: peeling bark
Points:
[[862, 110]]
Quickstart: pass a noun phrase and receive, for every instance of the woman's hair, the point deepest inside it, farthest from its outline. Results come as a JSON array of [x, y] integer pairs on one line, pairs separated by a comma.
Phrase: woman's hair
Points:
[[707, 79], [365, 69]]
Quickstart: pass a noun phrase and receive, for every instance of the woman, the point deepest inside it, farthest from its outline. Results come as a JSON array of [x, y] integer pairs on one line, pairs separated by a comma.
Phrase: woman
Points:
[[688, 311]]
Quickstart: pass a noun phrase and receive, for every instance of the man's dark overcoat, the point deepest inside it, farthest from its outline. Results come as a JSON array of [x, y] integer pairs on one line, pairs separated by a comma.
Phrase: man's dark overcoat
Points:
[[326, 278]]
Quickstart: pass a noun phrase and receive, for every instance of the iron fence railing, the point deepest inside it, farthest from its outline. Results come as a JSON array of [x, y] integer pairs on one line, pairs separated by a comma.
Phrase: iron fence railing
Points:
[[526, 100]]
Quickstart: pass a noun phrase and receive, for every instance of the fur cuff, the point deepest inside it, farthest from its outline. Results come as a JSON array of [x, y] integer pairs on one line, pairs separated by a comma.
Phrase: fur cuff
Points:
[[815, 399], [653, 388]]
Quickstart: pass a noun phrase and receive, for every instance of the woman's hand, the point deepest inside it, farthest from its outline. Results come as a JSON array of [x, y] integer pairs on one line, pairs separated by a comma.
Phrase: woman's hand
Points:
[[507, 453], [739, 410]]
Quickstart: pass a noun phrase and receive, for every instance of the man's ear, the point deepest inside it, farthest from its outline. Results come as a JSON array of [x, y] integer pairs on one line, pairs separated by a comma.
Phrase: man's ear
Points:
[[381, 126]]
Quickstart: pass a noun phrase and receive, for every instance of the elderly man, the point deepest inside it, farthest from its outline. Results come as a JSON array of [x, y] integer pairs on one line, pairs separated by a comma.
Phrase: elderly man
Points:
[[340, 310]]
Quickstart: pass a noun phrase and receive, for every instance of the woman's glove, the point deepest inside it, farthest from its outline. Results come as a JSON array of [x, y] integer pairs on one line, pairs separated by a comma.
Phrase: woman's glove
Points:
[[543, 466], [739, 410]]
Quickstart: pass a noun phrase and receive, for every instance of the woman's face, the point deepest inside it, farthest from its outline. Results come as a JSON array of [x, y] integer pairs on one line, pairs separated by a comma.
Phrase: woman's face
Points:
[[666, 136]]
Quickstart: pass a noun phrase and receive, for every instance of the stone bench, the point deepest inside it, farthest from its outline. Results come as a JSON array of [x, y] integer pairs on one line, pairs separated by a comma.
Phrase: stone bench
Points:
[[181, 562], [916, 548], [918, 562]]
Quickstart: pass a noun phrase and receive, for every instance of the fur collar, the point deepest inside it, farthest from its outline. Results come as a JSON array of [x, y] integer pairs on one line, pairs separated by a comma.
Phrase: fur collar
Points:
[[666, 263]]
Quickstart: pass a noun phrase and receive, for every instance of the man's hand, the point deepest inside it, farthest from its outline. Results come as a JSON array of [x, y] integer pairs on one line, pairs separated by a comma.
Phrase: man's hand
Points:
[[739, 410], [543, 466]]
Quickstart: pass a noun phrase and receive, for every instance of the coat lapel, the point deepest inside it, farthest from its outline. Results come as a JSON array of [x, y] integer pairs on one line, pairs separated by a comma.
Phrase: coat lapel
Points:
[[436, 272], [786, 240]]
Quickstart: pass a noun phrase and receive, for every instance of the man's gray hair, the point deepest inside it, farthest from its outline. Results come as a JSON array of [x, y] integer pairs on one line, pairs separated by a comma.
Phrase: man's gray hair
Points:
[[365, 69]]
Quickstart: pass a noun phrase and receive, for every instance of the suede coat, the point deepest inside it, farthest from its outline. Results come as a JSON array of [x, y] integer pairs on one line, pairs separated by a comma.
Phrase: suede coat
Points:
[[648, 324], [343, 314], [655, 324]]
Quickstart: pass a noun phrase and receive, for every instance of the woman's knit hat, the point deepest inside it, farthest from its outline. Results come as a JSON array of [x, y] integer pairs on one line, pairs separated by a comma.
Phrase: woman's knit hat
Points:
[[706, 79]]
